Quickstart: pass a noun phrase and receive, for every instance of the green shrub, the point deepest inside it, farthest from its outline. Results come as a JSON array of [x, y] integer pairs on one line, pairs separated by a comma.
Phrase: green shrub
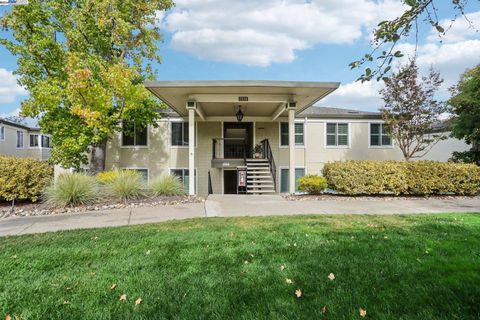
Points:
[[23, 178], [72, 189], [167, 186], [398, 177], [105, 177], [312, 184], [126, 185]]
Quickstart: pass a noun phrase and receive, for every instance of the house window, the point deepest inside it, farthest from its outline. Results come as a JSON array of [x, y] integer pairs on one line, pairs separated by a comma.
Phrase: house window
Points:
[[20, 139], [46, 142], [184, 176], [2, 133], [179, 134], [299, 134], [379, 135], [143, 173], [285, 179], [34, 140], [134, 135], [337, 134]]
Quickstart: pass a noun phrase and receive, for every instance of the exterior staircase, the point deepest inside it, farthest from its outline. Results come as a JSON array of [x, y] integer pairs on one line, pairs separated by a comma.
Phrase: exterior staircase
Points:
[[259, 177]]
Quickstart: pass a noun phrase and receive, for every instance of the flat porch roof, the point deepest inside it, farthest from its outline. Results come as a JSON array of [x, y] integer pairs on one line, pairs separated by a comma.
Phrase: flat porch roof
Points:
[[257, 99]]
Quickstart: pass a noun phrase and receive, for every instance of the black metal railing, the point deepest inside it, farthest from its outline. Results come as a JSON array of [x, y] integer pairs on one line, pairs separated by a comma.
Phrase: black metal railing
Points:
[[229, 148], [210, 188], [268, 154]]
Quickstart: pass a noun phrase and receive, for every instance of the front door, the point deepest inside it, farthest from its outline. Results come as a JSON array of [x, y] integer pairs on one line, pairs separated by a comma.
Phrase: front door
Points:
[[230, 181], [238, 140]]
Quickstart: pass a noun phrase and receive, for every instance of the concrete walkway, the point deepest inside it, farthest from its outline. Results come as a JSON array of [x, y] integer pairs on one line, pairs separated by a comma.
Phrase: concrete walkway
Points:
[[231, 206]]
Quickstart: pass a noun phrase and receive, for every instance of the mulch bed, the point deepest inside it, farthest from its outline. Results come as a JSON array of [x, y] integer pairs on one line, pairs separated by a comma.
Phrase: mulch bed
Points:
[[37, 209]]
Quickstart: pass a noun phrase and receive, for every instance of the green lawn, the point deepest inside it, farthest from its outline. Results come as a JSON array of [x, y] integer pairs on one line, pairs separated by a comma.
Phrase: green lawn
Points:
[[394, 267]]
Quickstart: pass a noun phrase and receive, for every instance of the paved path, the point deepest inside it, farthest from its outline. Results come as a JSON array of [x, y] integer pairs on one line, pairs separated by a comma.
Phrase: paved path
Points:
[[230, 206]]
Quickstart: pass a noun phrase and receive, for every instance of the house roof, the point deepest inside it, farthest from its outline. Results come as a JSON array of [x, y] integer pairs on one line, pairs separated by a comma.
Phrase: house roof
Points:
[[337, 113], [257, 98], [18, 125]]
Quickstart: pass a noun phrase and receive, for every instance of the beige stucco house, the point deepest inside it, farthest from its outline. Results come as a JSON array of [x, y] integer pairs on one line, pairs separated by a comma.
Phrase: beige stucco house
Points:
[[23, 141], [225, 120]]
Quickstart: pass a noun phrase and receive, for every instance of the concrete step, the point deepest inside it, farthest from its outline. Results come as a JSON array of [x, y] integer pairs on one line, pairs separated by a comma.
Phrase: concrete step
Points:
[[260, 180], [257, 160], [260, 192]]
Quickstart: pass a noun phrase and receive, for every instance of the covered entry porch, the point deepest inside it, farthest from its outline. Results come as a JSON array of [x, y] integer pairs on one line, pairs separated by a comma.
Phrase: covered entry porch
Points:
[[248, 112]]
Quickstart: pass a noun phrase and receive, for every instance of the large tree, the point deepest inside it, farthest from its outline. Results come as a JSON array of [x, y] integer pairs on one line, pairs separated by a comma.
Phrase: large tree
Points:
[[389, 33], [84, 63], [411, 110], [465, 104]]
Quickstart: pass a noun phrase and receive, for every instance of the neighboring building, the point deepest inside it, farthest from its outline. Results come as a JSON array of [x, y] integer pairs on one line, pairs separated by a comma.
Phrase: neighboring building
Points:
[[226, 119], [22, 141]]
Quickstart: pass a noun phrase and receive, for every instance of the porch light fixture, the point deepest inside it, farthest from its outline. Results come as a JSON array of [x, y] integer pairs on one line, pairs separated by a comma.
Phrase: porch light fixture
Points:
[[239, 114]]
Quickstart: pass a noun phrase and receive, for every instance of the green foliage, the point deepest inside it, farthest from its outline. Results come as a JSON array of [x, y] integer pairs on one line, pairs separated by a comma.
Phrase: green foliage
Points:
[[23, 178], [83, 64], [169, 185], [402, 178], [72, 189], [126, 185], [312, 184], [466, 106], [106, 177]]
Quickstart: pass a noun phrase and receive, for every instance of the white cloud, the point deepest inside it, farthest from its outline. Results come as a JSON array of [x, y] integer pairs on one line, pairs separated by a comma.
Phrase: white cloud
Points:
[[262, 32], [355, 95], [9, 89], [463, 28]]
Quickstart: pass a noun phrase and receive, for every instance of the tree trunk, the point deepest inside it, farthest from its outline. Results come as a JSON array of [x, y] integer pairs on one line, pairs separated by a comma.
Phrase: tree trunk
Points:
[[97, 158]]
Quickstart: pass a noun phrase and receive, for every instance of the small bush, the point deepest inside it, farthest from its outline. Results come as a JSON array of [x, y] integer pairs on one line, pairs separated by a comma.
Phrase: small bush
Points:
[[312, 184], [167, 186], [106, 177], [72, 189], [23, 178], [398, 177], [126, 185]]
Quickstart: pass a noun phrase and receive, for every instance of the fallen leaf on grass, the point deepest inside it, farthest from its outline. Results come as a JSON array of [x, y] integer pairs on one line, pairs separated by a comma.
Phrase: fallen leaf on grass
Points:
[[14, 256], [66, 302], [92, 273], [123, 297], [147, 253], [298, 293], [8, 317], [363, 313], [289, 281], [324, 309], [113, 286], [138, 301], [282, 268], [331, 276]]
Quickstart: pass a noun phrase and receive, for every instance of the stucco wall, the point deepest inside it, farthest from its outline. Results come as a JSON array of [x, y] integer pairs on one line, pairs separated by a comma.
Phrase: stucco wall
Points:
[[8, 146]]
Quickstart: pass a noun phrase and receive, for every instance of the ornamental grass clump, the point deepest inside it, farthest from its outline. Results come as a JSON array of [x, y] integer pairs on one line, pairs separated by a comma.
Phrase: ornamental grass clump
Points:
[[71, 189], [169, 185], [126, 185]]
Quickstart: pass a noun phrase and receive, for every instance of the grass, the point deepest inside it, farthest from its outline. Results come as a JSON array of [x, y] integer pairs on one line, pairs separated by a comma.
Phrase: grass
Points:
[[394, 267]]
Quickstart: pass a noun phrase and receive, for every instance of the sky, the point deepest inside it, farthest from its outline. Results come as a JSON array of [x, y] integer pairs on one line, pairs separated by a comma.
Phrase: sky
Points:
[[302, 40]]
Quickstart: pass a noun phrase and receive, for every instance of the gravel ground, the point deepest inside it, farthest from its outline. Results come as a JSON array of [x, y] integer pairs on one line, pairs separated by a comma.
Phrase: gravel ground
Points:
[[38, 209]]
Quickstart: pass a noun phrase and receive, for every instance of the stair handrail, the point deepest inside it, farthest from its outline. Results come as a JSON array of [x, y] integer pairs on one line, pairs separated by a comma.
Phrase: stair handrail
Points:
[[268, 154]]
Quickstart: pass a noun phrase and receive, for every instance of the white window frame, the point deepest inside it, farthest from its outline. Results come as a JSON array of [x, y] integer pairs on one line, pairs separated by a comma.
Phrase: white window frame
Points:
[[2, 133], [135, 146], [23, 140], [381, 146], [349, 138], [170, 133], [195, 176], [299, 146], [139, 168], [280, 176]]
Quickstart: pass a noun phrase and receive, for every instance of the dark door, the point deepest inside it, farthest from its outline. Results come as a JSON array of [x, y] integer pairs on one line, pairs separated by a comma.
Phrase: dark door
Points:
[[230, 181], [238, 140]]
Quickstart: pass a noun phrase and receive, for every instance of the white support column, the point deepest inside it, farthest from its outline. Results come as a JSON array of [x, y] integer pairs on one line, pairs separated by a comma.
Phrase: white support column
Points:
[[191, 150], [291, 147]]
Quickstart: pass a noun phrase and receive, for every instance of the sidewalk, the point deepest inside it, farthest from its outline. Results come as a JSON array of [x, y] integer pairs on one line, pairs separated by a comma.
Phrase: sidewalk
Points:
[[231, 206]]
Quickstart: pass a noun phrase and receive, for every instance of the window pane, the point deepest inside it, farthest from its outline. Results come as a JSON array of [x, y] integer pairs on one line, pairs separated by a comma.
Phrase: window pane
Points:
[[177, 134], [186, 135], [299, 172], [143, 174], [331, 140], [140, 136], [284, 180], [19, 139], [374, 128], [299, 131], [342, 140], [284, 134], [33, 140], [332, 128], [386, 140], [2, 133], [128, 140], [342, 128], [374, 140], [46, 142], [385, 129], [127, 134]]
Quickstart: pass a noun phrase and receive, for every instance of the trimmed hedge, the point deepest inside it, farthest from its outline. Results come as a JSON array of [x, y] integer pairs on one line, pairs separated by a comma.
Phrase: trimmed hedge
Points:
[[364, 177], [23, 178], [312, 184]]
